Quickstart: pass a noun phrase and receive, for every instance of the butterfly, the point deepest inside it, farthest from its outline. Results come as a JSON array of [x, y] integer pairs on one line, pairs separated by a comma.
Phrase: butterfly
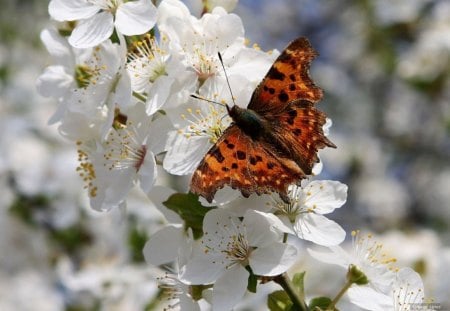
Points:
[[274, 142]]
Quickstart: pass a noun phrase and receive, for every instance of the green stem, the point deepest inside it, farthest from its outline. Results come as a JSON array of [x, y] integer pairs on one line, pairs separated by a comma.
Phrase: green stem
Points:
[[339, 295], [284, 281]]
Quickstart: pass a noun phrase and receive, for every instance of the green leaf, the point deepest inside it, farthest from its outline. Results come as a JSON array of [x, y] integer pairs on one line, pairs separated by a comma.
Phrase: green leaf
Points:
[[299, 283], [252, 280], [137, 238], [279, 301], [319, 303], [190, 210]]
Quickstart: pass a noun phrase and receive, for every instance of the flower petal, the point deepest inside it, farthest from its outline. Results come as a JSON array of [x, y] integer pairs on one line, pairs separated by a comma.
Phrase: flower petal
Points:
[[58, 47], [263, 228], [230, 288], [158, 139], [135, 17], [273, 260], [92, 31], [325, 195], [188, 304], [147, 172], [369, 299], [70, 10], [54, 82], [202, 269], [159, 194], [184, 154], [163, 245], [336, 256], [159, 92], [319, 229]]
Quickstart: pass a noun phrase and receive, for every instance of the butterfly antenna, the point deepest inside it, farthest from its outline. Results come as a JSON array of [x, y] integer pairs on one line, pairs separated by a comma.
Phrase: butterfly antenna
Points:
[[226, 77], [207, 100]]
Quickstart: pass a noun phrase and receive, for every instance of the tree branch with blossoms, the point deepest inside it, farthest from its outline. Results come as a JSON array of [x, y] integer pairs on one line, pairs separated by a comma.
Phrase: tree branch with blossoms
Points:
[[123, 74]]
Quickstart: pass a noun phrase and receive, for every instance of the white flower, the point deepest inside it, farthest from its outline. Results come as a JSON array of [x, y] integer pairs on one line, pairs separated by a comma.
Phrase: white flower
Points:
[[198, 41], [87, 83], [157, 75], [305, 213], [58, 78], [229, 245], [368, 257], [407, 291], [97, 18], [111, 168]]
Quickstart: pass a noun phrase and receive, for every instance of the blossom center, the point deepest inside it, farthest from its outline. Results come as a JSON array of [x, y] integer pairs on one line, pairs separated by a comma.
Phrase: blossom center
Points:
[[90, 72], [146, 60], [369, 250], [202, 57], [295, 208], [209, 125], [124, 149], [237, 249], [230, 241]]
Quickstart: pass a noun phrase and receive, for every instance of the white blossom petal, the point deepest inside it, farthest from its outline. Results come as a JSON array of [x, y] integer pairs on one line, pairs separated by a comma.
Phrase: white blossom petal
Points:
[[336, 257], [273, 260], [325, 195], [54, 82], [188, 304], [121, 95], [184, 154], [163, 245], [319, 229], [263, 228], [135, 17], [171, 9], [202, 269], [369, 299], [159, 129], [230, 288], [70, 10], [159, 92], [158, 195], [92, 31], [58, 47], [147, 172]]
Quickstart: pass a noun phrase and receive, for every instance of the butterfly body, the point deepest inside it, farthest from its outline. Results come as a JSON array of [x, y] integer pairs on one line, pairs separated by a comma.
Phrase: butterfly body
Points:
[[249, 121], [274, 142]]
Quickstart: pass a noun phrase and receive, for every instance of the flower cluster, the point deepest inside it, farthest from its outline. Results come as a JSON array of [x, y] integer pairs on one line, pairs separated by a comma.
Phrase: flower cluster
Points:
[[123, 73]]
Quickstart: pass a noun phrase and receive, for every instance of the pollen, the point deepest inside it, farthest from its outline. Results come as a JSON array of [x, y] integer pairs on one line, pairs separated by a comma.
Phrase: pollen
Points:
[[125, 149], [210, 122], [86, 170], [147, 61]]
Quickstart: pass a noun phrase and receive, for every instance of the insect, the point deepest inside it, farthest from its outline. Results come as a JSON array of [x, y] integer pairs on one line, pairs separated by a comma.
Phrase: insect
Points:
[[274, 142]]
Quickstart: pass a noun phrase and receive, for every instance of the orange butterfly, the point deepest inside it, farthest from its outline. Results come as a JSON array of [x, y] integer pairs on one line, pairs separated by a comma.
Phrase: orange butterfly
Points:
[[274, 142]]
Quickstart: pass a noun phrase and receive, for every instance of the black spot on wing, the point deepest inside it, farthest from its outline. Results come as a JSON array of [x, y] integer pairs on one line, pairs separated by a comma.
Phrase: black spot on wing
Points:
[[218, 155], [275, 74], [241, 155], [283, 96]]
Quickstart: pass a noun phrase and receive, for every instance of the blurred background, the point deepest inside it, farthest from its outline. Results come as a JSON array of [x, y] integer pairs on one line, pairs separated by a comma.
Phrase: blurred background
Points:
[[384, 66]]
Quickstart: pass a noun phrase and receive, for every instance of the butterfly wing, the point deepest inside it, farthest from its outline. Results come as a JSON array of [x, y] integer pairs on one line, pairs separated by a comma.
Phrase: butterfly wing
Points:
[[299, 129], [238, 161], [287, 80]]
